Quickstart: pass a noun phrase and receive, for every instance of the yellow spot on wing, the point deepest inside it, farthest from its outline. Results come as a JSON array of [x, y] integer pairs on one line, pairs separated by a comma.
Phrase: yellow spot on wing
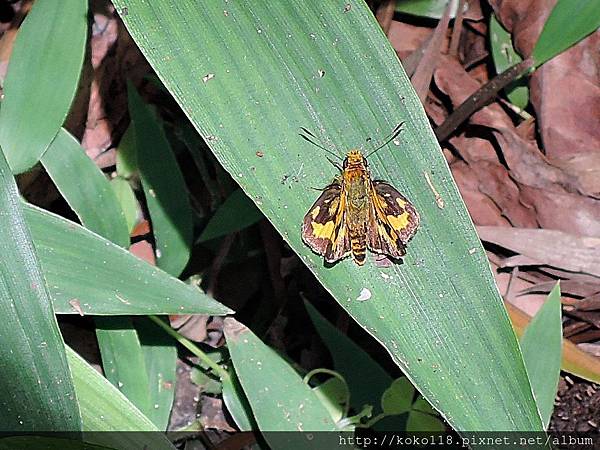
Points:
[[315, 212], [334, 206], [398, 222], [323, 231], [401, 202]]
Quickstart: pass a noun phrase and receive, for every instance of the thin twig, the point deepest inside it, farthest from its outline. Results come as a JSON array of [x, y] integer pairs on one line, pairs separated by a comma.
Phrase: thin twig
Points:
[[481, 97]]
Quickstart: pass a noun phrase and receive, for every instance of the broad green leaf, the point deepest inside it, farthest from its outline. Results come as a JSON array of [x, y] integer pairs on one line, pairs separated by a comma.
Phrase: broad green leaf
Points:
[[541, 345], [104, 408], [33, 366], [569, 22], [280, 400], [123, 360], [160, 356], [88, 274], [42, 78], [434, 9], [236, 213], [85, 188], [505, 56], [164, 188], [264, 69]]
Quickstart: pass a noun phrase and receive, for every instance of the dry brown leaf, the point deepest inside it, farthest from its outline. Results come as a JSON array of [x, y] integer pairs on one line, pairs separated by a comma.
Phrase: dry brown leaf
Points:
[[567, 287], [421, 78], [482, 209], [565, 91], [549, 247]]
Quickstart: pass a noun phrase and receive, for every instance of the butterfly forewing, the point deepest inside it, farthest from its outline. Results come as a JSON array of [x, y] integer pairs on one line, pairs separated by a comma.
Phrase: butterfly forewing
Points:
[[393, 220], [324, 227]]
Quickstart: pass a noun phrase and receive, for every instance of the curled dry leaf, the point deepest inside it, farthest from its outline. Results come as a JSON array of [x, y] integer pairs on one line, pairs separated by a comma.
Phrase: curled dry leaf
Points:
[[544, 188]]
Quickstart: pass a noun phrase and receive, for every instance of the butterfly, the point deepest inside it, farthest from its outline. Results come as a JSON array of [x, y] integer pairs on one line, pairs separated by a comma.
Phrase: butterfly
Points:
[[355, 213]]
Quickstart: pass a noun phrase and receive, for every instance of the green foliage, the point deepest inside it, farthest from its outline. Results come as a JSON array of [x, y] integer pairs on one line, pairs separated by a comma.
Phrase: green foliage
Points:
[[45, 65], [505, 56], [236, 213], [541, 345], [164, 188], [434, 9], [569, 22], [264, 70], [32, 351]]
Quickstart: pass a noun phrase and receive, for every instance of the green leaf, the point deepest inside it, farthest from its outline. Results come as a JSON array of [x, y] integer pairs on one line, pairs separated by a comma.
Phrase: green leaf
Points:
[[35, 374], [420, 422], [236, 213], [434, 9], [122, 359], [541, 345], [164, 187], [280, 400], [42, 79], [160, 356], [398, 398], [85, 188], [330, 68], [569, 22], [352, 362], [104, 408], [127, 154], [237, 403], [126, 198], [90, 275], [333, 394], [505, 56]]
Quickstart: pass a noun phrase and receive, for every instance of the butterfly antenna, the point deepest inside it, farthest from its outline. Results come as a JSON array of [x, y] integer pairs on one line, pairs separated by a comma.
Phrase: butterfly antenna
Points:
[[308, 136], [335, 164], [389, 138]]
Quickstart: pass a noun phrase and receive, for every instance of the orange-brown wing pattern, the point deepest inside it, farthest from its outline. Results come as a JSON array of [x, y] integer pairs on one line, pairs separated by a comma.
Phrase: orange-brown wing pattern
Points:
[[393, 221], [324, 227]]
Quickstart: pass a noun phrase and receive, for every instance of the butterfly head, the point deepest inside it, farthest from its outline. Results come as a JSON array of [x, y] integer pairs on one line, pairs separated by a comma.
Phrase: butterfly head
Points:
[[355, 160]]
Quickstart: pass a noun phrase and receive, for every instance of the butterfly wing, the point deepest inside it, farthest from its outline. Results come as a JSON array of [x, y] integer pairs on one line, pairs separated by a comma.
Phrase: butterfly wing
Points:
[[393, 220], [324, 226]]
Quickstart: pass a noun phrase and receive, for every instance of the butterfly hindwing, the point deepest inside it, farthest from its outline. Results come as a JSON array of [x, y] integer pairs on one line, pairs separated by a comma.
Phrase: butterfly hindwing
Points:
[[324, 226], [394, 220]]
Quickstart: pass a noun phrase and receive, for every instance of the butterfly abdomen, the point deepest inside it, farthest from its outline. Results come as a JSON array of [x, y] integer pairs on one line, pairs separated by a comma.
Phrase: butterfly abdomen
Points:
[[359, 248]]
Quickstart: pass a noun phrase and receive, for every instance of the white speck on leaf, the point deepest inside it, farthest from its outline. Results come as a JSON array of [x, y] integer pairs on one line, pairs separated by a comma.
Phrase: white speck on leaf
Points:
[[208, 77], [365, 295]]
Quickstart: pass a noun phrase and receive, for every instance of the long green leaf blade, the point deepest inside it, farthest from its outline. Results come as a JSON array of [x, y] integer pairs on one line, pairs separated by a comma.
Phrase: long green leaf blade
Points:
[[104, 408], [164, 187], [279, 398], [568, 23], [328, 67], [160, 357], [42, 79], [541, 345], [37, 390], [87, 274], [85, 188], [122, 359]]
